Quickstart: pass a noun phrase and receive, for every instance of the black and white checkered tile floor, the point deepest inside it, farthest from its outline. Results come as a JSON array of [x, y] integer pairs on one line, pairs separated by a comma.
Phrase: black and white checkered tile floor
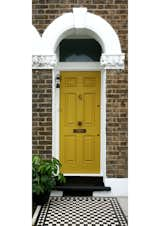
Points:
[[82, 211]]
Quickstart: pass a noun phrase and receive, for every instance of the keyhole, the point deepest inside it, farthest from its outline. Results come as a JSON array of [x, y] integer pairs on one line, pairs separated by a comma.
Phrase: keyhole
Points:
[[79, 123]]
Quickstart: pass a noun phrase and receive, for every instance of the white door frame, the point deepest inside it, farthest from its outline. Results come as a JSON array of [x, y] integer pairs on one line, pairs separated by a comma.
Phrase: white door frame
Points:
[[55, 111]]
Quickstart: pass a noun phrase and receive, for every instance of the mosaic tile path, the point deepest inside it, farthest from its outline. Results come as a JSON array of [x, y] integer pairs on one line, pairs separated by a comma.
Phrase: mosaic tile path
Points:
[[82, 211]]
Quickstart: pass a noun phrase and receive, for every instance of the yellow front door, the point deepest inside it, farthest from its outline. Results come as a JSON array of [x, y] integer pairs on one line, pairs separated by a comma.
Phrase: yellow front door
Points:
[[80, 122]]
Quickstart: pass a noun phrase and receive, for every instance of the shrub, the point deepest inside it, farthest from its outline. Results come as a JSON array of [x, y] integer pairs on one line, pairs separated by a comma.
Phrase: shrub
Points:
[[45, 174]]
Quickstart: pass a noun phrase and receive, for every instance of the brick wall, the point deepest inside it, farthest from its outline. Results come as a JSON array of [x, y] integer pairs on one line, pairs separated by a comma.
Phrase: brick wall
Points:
[[42, 113], [117, 124], [116, 13]]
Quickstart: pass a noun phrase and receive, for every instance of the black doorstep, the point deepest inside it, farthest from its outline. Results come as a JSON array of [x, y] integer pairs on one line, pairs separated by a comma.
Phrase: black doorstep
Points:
[[82, 185]]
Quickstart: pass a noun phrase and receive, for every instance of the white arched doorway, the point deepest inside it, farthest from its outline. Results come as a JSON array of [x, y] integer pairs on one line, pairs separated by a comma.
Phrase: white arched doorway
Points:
[[45, 56]]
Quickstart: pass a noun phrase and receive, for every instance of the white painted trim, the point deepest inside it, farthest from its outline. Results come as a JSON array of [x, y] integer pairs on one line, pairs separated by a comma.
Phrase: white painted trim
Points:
[[79, 66], [76, 23], [36, 213], [106, 62], [56, 120], [44, 61], [119, 186], [115, 61], [57, 99], [55, 116], [103, 123]]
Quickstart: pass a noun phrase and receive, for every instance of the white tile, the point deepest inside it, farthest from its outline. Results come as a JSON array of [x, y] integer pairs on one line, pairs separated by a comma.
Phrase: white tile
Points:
[[100, 194], [56, 193]]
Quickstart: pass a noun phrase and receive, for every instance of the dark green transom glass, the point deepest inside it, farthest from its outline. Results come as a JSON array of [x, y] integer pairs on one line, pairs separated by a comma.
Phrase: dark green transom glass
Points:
[[80, 50]]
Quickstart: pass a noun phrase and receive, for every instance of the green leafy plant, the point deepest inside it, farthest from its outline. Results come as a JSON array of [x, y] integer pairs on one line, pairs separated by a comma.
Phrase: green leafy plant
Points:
[[45, 174]]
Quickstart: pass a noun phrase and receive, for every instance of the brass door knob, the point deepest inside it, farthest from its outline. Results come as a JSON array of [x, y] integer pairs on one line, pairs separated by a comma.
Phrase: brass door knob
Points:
[[79, 123]]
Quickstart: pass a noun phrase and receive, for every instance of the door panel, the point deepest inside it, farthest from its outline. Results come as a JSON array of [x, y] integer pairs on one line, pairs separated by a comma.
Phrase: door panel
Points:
[[70, 105], [89, 109], [80, 122], [71, 147], [89, 148]]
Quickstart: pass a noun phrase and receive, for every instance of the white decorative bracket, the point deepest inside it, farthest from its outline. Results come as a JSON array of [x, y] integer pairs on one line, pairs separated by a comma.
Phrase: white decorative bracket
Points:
[[112, 61], [44, 61]]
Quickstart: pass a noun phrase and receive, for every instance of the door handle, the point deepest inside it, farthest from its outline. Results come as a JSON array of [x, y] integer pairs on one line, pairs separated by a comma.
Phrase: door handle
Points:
[[79, 123]]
